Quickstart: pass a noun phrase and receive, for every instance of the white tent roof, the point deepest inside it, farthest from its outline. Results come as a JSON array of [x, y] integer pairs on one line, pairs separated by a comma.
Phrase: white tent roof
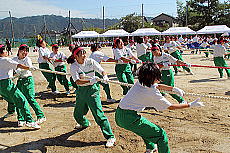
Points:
[[86, 34], [115, 33], [178, 31], [145, 32], [214, 29]]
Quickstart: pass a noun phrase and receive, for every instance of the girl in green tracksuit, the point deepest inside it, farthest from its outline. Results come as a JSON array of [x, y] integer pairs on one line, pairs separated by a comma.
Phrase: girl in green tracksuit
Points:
[[123, 68], [9, 91], [165, 60], [145, 93], [88, 94]]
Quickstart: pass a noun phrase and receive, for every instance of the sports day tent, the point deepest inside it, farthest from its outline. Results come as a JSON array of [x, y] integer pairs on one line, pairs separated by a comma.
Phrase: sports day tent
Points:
[[145, 32], [115, 33], [86, 34], [214, 29], [178, 31]]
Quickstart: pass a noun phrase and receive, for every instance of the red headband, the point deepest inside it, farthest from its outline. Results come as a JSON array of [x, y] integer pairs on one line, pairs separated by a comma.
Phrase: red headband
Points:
[[1, 46], [155, 48], [77, 50], [23, 45], [55, 45]]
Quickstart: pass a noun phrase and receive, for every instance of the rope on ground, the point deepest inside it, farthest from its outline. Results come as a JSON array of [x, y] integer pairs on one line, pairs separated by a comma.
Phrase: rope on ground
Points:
[[130, 85]]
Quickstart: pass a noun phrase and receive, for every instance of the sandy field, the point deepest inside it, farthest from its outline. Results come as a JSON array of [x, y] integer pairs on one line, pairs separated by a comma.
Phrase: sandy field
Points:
[[196, 130]]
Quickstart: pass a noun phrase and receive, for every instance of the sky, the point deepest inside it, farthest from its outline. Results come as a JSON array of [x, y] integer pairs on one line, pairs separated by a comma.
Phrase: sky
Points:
[[87, 8]]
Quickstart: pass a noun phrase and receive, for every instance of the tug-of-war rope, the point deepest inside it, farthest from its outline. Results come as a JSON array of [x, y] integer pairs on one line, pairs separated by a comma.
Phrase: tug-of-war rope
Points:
[[130, 85]]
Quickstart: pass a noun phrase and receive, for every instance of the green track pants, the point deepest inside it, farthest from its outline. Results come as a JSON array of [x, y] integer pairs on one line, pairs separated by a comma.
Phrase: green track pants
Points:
[[105, 86], [178, 56], [88, 97], [50, 77], [219, 61], [148, 57], [168, 79], [14, 96], [124, 74], [62, 78], [150, 133]]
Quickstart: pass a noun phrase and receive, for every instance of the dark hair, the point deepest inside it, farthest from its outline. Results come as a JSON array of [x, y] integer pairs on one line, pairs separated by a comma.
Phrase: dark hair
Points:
[[140, 40], [116, 42], [155, 45], [71, 58], [2, 49], [23, 47], [39, 42], [148, 73], [94, 47]]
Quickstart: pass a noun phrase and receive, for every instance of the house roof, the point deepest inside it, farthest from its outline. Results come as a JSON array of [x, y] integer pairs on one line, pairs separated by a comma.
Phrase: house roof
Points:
[[155, 18]]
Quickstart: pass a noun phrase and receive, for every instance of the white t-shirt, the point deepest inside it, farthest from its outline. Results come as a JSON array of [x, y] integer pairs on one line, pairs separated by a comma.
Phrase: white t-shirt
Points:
[[171, 47], [98, 56], [141, 49], [140, 97], [7, 65], [218, 50], [195, 39], [164, 58], [25, 61], [124, 52], [43, 52], [181, 39], [88, 68], [149, 47], [204, 45], [58, 56]]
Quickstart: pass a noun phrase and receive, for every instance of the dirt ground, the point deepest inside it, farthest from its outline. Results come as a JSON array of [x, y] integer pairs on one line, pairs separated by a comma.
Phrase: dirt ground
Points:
[[197, 130]]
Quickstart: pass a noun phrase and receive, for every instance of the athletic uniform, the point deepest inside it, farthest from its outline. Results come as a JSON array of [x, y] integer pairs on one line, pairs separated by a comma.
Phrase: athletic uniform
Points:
[[218, 53], [25, 84], [61, 67], [171, 47], [88, 97], [205, 45], [142, 52], [98, 57], [167, 73], [43, 64], [9, 91], [127, 116], [123, 70]]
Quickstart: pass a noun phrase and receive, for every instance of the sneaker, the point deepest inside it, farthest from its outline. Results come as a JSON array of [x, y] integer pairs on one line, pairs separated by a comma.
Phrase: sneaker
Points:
[[41, 120], [78, 126], [151, 150], [33, 125], [8, 115], [175, 74], [110, 142], [21, 123], [190, 73], [111, 100], [67, 92], [184, 102], [55, 92]]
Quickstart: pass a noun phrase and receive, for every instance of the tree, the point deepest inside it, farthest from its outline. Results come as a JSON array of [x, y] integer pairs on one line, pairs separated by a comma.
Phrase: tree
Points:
[[203, 12]]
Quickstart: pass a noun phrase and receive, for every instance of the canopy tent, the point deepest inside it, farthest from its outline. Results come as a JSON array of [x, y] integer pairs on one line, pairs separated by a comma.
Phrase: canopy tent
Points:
[[226, 34], [145, 32], [86, 34], [214, 29], [115, 33], [178, 31]]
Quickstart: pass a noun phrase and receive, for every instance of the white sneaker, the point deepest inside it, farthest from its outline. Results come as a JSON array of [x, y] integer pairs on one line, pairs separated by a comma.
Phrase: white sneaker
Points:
[[41, 120], [67, 92], [55, 92], [190, 73], [111, 100], [184, 102], [21, 123], [150, 150], [33, 125], [8, 115], [78, 126], [110, 142]]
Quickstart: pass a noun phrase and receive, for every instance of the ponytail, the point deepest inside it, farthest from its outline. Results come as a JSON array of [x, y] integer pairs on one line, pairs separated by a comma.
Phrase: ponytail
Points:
[[70, 60]]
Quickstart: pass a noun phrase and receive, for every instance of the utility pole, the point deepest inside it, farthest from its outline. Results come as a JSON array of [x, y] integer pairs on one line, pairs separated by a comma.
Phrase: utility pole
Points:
[[103, 18], [70, 37], [142, 14], [12, 28], [186, 15], [208, 13]]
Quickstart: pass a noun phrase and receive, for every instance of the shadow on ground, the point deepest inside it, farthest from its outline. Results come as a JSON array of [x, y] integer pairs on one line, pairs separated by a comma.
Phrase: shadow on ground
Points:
[[55, 141]]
